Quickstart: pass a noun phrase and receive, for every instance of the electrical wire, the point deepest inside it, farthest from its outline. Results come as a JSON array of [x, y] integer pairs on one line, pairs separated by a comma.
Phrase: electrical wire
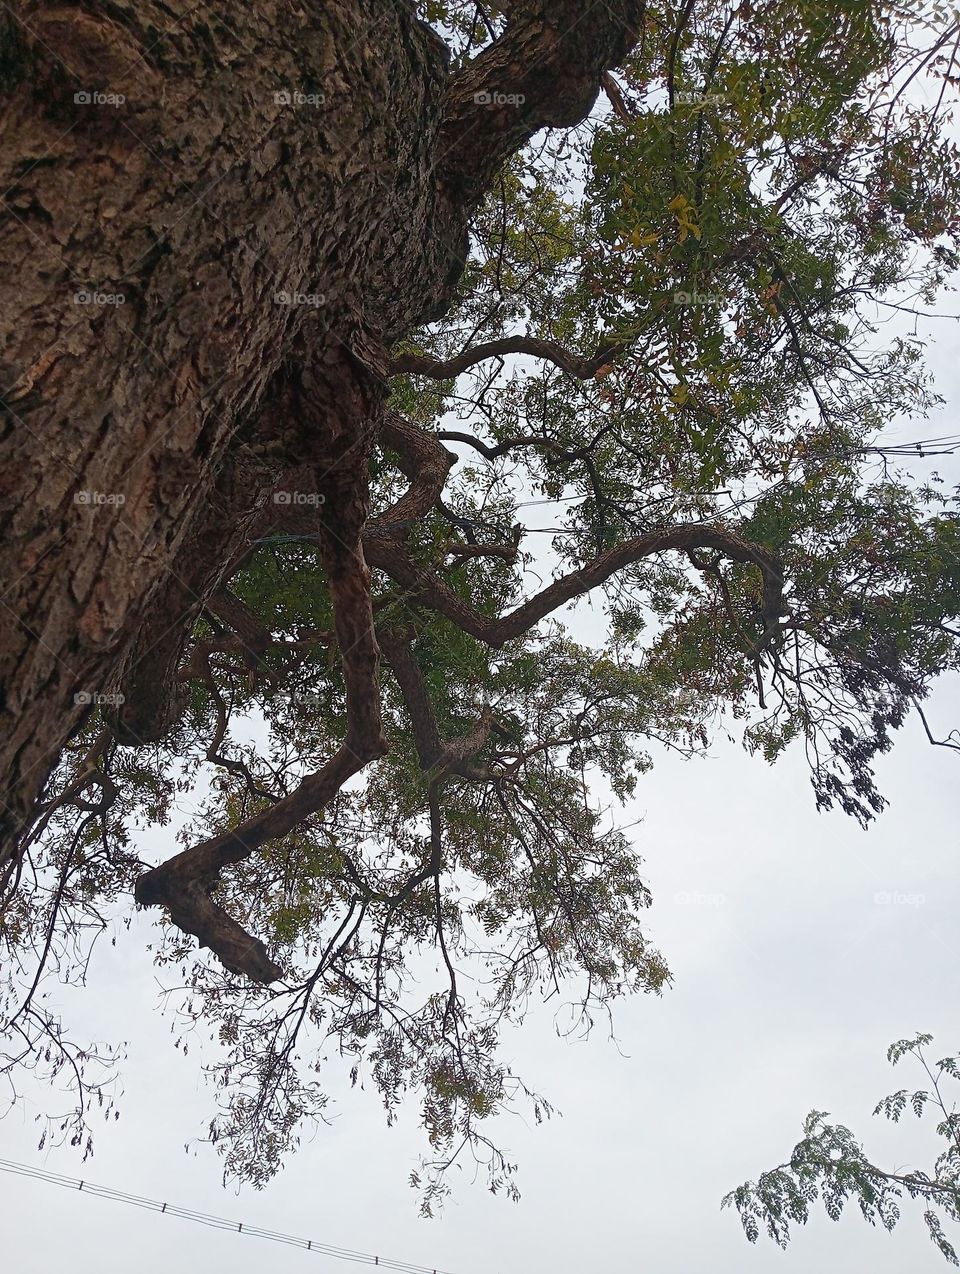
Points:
[[219, 1223]]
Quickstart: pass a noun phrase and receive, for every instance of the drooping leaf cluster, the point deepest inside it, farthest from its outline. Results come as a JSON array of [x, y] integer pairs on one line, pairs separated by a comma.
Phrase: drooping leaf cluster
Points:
[[830, 1165]]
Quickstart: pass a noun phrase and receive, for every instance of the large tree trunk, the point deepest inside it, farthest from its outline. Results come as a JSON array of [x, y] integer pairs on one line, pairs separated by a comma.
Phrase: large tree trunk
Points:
[[282, 193], [200, 200]]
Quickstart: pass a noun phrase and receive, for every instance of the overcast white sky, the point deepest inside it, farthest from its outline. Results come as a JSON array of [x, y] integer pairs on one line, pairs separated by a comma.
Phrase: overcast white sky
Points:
[[786, 995], [790, 981]]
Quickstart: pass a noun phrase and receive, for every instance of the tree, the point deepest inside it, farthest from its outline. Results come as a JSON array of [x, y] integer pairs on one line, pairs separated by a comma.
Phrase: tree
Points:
[[831, 1165], [390, 275]]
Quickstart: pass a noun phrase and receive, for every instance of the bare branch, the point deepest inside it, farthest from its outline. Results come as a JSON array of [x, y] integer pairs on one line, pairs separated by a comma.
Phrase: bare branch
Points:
[[951, 741]]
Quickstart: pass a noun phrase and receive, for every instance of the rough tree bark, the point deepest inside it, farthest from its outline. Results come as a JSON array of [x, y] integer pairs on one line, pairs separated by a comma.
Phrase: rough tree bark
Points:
[[210, 170]]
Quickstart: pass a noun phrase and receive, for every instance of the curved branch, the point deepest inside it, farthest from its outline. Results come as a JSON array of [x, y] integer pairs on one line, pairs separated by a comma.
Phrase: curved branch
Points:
[[424, 461], [431, 591], [503, 448], [446, 369]]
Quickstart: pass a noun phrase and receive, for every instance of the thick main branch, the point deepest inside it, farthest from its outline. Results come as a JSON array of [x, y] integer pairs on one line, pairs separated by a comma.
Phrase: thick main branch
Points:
[[544, 72], [429, 590]]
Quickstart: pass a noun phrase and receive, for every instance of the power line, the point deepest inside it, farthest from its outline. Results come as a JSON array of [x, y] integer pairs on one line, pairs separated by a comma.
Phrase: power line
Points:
[[218, 1223]]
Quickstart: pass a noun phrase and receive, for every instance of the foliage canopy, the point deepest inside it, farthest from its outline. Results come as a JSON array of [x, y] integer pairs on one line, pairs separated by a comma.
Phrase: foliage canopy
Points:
[[665, 379]]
